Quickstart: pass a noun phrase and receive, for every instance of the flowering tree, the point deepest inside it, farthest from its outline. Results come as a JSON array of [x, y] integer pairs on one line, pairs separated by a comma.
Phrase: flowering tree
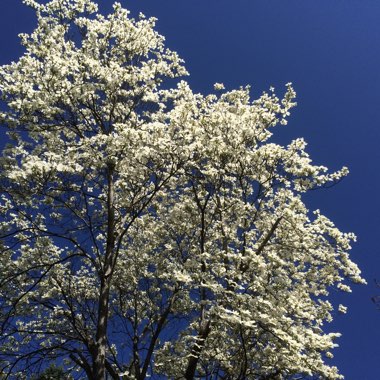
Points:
[[149, 231]]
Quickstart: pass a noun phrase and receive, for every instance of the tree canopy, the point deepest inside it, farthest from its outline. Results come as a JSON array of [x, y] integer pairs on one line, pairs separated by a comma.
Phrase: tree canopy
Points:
[[149, 231]]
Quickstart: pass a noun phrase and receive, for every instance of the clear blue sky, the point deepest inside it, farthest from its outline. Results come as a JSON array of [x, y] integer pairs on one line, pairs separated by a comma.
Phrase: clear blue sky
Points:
[[330, 50]]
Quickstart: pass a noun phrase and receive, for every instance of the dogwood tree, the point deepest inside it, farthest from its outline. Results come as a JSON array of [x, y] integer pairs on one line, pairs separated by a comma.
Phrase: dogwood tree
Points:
[[149, 231]]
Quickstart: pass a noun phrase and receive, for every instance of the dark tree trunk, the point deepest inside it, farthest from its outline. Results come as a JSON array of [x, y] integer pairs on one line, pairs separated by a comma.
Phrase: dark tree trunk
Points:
[[105, 283], [101, 333], [196, 351]]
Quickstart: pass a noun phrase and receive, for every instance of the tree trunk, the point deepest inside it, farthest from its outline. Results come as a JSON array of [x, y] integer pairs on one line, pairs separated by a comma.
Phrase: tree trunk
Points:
[[101, 333], [105, 283], [196, 351]]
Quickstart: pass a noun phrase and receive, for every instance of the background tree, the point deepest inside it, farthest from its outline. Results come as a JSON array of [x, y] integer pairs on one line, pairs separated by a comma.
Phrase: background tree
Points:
[[53, 373], [153, 231]]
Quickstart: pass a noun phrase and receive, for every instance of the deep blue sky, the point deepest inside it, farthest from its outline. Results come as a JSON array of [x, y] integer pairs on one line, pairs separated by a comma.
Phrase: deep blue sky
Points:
[[330, 50]]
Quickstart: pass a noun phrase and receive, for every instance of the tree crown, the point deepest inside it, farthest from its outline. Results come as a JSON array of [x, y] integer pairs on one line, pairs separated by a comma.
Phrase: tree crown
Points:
[[149, 230]]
